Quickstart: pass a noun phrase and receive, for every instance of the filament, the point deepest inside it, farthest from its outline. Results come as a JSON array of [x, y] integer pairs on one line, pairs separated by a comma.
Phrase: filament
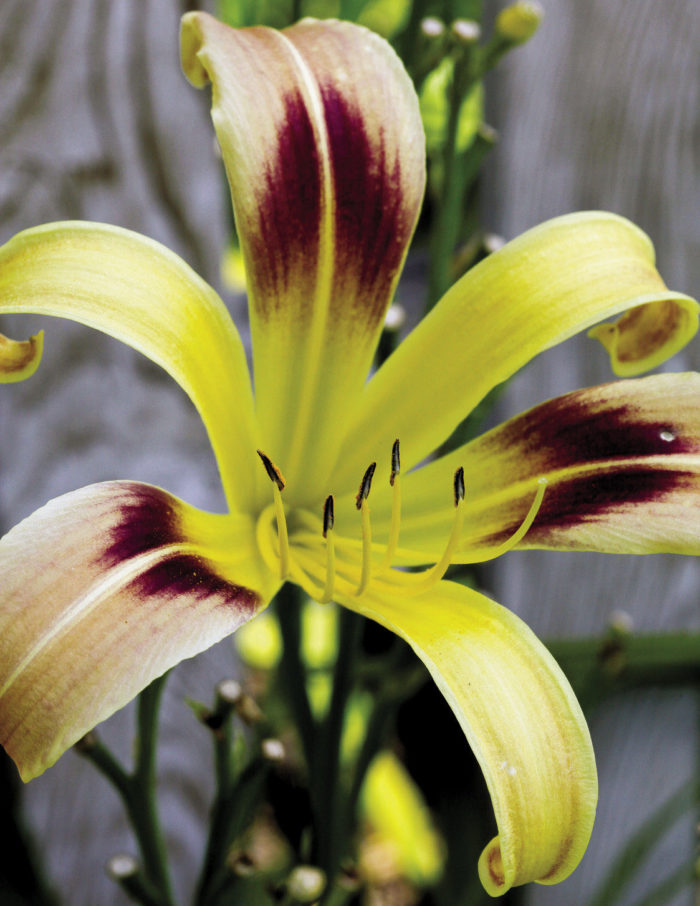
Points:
[[520, 533], [275, 476], [432, 576]]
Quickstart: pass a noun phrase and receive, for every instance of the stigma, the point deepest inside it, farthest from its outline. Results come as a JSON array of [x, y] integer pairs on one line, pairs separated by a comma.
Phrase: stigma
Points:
[[342, 572]]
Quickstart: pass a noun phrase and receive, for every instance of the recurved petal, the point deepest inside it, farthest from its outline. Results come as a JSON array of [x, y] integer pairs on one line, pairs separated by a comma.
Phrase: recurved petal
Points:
[[101, 591], [19, 359], [322, 139], [550, 283], [141, 293], [522, 721], [622, 463]]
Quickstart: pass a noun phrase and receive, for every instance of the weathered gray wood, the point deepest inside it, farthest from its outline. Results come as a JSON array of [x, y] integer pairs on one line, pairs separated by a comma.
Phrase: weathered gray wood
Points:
[[96, 121]]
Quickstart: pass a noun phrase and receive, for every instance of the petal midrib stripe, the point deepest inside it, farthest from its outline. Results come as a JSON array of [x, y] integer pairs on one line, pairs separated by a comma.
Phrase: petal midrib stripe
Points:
[[313, 348], [117, 579]]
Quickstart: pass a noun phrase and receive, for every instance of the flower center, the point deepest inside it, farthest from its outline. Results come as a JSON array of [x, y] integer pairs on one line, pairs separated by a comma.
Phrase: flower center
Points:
[[352, 575]]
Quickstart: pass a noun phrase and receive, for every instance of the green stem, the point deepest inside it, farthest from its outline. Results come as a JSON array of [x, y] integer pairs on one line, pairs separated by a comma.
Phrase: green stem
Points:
[[292, 670], [141, 804], [217, 843], [138, 792], [600, 666], [331, 806], [448, 217]]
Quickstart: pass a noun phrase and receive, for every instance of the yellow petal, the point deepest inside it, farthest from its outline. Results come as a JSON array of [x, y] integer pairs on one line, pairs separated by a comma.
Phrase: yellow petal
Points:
[[552, 282], [19, 359], [622, 463], [647, 335], [323, 144], [521, 719], [141, 293], [101, 591]]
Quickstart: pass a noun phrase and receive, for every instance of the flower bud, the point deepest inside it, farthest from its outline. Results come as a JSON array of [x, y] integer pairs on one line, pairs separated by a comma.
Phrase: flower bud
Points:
[[305, 884], [518, 23], [466, 31], [432, 27]]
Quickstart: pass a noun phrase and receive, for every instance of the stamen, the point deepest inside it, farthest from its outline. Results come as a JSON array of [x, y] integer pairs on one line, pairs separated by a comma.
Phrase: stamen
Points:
[[520, 533], [395, 481], [328, 520], [275, 476], [435, 573], [363, 507]]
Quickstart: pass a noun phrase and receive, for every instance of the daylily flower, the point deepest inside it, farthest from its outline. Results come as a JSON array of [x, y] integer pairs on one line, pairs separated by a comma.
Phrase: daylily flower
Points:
[[105, 588]]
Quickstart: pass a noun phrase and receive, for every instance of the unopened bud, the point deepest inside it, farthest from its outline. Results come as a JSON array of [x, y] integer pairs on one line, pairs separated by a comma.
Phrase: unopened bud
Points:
[[492, 242], [467, 31], [122, 866], [229, 691], [305, 884], [519, 22], [432, 27], [272, 750], [621, 622], [395, 317]]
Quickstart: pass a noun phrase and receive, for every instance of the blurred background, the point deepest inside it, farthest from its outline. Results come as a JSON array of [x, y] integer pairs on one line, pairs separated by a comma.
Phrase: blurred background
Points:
[[601, 109]]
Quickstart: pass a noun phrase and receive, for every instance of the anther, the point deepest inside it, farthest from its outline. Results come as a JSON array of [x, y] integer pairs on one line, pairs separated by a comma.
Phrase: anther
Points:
[[275, 476], [273, 473], [365, 485], [328, 520], [395, 462], [395, 482], [458, 485], [363, 507], [328, 515]]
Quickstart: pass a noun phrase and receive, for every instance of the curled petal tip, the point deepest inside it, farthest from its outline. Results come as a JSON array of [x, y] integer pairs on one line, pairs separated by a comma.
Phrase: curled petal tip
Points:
[[19, 359], [491, 872], [645, 336]]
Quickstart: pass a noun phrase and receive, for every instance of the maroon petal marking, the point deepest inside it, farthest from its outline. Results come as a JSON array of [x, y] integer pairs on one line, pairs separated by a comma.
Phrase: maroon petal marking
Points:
[[149, 519], [101, 591]]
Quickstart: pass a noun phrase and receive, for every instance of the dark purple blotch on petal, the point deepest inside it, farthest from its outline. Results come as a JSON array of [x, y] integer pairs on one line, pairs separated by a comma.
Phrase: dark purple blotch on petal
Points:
[[371, 222], [586, 497], [187, 574], [147, 520], [289, 211], [568, 430]]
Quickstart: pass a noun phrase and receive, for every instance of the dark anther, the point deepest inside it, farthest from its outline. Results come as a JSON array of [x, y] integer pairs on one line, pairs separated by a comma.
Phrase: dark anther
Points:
[[365, 485], [328, 515], [273, 473], [459, 485], [395, 462]]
